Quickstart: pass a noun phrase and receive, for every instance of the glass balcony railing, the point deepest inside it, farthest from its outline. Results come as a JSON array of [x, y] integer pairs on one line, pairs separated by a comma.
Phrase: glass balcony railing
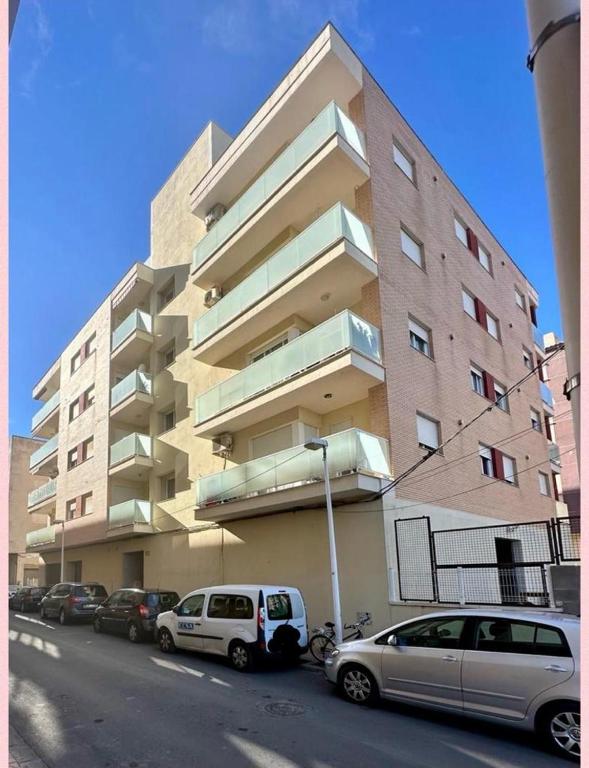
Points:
[[41, 536], [44, 451], [338, 223], [343, 332], [546, 394], [554, 453], [42, 493], [45, 410], [329, 122], [136, 381], [351, 451], [538, 338], [129, 512], [130, 446], [136, 321]]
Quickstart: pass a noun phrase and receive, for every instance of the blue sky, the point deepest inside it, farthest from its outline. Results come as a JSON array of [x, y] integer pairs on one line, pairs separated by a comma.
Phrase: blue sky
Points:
[[106, 96]]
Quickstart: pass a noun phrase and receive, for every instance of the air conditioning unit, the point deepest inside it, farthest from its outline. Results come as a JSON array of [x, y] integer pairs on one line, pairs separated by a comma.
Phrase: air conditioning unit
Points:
[[213, 216], [223, 445], [213, 295]]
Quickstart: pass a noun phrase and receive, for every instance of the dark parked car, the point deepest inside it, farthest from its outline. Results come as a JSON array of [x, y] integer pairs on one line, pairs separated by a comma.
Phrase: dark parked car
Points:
[[71, 601], [28, 598], [133, 612]]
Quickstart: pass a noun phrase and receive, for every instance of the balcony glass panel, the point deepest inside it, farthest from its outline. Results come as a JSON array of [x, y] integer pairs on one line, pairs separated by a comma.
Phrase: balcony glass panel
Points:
[[554, 453], [129, 512], [45, 410], [546, 394], [538, 338], [130, 446], [328, 122], [136, 381], [41, 536], [43, 492], [322, 234], [345, 331], [136, 321], [45, 450], [349, 451]]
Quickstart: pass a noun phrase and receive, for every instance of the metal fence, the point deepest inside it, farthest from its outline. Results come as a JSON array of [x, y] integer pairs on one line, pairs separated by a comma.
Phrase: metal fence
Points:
[[491, 565]]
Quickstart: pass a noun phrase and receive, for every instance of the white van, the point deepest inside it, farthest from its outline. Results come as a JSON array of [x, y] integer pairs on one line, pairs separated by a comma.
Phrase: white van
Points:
[[240, 621]]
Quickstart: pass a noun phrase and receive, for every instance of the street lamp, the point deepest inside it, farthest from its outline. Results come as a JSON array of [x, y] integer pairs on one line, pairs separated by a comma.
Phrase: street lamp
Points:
[[62, 523], [315, 444]]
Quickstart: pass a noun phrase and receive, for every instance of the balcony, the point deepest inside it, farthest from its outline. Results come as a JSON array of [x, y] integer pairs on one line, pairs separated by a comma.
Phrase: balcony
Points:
[[131, 458], [341, 357], [130, 518], [131, 399], [132, 339], [41, 536], [133, 289], [336, 250], [45, 422], [358, 467], [44, 460], [546, 395], [554, 454], [40, 497], [327, 70], [323, 165], [538, 339]]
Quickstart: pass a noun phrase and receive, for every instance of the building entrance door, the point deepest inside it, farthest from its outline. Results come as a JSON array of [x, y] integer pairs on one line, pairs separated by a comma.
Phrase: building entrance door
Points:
[[133, 569]]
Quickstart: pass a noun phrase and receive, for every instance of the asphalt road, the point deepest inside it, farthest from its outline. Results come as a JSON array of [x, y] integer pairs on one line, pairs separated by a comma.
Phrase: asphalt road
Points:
[[83, 700]]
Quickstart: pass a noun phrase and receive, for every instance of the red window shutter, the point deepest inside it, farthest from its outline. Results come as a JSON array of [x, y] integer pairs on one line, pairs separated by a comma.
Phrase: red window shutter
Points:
[[489, 386], [473, 243], [481, 313], [80, 450], [78, 511], [82, 353], [497, 459], [82, 402], [540, 368]]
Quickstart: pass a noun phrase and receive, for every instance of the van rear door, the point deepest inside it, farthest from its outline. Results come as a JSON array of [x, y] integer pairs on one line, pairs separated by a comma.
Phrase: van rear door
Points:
[[285, 606]]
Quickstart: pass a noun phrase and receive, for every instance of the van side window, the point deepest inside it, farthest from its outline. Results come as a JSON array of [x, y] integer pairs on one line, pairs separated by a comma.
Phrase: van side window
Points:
[[230, 607], [192, 606]]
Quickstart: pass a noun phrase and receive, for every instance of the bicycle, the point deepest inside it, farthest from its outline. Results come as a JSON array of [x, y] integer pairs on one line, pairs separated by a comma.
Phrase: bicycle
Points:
[[322, 642]]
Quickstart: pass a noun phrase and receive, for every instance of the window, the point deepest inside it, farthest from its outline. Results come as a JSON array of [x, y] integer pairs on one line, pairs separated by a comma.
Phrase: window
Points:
[[486, 461], [192, 606], [271, 442], [90, 345], [165, 294], [528, 360], [419, 338], [168, 419], [168, 355], [543, 484], [535, 419], [533, 314], [403, 162], [520, 299], [509, 471], [484, 258], [506, 636], [469, 304], [492, 326], [230, 607], [549, 426], [87, 507], [428, 433], [76, 362], [500, 396], [72, 458], [74, 409], [460, 230], [89, 397], [168, 486], [476, 380], [71, 507], [429, 633], [268, 348], [88, 448], [411, 248]]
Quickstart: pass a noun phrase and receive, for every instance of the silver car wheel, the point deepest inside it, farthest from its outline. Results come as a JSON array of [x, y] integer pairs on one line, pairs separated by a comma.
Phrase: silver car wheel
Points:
[[239, 657], [565, 728], [357, 685]]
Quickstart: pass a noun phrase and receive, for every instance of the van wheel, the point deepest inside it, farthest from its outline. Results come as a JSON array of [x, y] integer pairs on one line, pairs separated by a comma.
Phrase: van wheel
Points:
[[240, 656], [134, 633], [166, 641], [357, 685], [559, 727]]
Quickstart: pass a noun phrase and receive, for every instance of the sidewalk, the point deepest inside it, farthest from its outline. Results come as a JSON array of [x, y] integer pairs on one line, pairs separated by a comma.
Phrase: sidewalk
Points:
[[20, 755]]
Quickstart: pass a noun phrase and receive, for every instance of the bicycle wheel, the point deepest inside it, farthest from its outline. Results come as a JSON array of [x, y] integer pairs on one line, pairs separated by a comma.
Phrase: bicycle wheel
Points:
[[320, 647]]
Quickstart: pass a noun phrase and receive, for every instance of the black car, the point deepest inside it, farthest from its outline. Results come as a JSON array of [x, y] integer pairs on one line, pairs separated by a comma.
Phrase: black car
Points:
[[28, 598], [69, 601], [133, 612]]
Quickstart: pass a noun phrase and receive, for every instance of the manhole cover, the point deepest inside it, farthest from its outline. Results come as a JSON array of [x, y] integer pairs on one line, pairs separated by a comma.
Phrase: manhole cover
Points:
[[284, 709]]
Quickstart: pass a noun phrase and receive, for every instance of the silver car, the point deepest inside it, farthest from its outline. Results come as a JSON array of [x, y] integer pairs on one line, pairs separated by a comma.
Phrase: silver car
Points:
[[509, 666]]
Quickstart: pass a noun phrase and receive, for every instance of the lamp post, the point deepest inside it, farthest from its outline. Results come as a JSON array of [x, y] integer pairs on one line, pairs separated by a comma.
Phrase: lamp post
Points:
[[62, 523], [315, 444]]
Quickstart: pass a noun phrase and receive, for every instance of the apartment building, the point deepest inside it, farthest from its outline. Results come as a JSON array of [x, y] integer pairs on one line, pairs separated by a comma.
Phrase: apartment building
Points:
[[23, 566], [316, 275]]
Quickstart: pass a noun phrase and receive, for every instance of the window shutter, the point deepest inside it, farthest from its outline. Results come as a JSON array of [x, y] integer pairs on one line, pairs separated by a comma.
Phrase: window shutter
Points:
[[82, 353], [427, 432], [489, 386], [82, 402], [540, 368], [473, 243], [497, 459], [80, 455], [480, 312], [78, 510]]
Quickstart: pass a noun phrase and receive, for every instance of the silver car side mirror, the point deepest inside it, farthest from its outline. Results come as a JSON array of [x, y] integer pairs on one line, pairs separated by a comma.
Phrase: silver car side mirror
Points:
[[392, 640]]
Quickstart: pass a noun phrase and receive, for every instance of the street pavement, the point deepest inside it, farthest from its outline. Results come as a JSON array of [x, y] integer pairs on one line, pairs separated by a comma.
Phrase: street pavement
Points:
[[82, 700]]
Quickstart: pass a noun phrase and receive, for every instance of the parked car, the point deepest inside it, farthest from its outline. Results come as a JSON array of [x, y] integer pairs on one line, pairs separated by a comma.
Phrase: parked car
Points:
[[242, 622], [12, 590], [133, 612], [72, 601], [513, 667], [28, 598]]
